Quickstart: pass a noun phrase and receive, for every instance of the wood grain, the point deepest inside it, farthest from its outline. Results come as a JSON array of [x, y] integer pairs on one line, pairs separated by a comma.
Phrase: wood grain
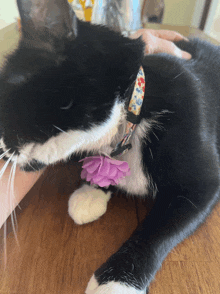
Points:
[[193, 267], [55, 255]]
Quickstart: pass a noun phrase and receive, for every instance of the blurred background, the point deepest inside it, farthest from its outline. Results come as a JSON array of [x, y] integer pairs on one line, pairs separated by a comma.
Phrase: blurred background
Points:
[[202, 14]]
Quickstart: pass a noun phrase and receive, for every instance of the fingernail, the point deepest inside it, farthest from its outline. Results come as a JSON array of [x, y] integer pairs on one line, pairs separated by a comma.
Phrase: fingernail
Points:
[[182, 54], [178, 52], [186, 55], [185, 39]]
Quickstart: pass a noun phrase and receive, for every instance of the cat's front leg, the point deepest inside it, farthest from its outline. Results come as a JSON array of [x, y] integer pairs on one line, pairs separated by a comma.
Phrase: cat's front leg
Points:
[[87, 204], [131, 269], [111, 288]]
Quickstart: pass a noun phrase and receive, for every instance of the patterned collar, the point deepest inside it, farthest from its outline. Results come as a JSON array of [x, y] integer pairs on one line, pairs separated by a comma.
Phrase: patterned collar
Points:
[[133, 117]]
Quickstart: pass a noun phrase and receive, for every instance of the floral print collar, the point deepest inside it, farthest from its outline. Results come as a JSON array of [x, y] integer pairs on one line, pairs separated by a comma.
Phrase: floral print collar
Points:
[[134, 110]]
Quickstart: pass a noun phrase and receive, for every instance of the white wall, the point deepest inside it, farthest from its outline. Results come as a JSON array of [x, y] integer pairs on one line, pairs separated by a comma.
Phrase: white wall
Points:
[[212, 26], [8, 12], [198, 12], [177, 12]]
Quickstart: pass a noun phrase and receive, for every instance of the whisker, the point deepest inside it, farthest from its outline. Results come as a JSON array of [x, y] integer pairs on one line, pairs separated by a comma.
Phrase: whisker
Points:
[[188, 200], [68, 106], [151, 153], [5, 223], [31, 166], [3, 154], [155, 135], [5, 244], [11, 195], [60, 129], [5, 165], [178, 75]]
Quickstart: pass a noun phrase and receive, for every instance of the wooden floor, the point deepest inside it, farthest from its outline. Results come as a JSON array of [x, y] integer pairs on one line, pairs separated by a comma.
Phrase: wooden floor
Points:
[[55, 256]]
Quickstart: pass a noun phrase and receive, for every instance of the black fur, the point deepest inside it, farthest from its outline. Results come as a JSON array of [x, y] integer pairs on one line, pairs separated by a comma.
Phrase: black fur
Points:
[[87, 66], [35, 84], [182, 156]]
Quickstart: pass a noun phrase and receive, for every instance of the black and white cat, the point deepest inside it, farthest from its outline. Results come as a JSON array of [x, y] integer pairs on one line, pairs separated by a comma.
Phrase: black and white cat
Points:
[[66, 89]]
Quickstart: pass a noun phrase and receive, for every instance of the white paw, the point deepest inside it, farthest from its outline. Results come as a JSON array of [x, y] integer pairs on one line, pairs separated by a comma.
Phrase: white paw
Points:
[[87, 204], [110, 288]]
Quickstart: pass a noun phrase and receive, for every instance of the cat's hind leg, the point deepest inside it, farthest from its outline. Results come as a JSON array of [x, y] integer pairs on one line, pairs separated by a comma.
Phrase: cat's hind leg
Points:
[[87, 204]]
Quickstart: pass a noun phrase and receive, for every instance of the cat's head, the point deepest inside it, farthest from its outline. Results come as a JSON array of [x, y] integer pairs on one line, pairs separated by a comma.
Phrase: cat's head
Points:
[[63, 90]]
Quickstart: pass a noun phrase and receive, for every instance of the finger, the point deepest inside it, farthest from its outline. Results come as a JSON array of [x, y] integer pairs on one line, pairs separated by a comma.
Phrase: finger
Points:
[[163, 34], [169, 35], [138, 33], [164, 46], [186, 55], [156, 44]]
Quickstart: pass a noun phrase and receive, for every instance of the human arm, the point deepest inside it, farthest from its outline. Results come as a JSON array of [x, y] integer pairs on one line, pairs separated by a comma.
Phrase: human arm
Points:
[[23, 182]]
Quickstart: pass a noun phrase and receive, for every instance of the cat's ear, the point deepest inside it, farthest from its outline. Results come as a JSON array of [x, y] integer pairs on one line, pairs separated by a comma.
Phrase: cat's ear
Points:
[[45, 19]]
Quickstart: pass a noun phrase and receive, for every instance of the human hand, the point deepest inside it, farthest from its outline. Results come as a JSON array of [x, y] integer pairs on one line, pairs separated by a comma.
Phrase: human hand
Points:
[[161, 41]]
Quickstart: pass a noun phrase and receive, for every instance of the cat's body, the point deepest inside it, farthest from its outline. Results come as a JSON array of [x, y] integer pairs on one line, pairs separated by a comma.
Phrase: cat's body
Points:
[[66, 92]]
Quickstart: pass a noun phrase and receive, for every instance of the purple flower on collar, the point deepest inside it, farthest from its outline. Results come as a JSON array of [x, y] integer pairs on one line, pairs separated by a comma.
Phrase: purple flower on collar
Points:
[[104, 171]]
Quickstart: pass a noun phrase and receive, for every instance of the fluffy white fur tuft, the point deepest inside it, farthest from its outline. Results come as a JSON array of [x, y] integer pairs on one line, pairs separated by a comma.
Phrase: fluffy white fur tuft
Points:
[[137, 183], [87, 204], [110, 288]]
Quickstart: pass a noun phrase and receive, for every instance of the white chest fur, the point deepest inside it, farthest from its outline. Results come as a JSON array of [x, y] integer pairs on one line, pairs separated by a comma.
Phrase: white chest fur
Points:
[[138, 182]]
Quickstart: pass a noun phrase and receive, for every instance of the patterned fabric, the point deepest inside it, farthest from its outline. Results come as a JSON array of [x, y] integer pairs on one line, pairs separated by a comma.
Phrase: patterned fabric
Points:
[[138, 93], [134, 107]]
